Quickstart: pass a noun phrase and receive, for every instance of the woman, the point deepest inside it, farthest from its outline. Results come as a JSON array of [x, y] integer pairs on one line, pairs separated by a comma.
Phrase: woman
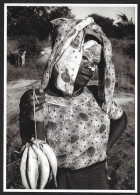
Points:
[[80, 122]]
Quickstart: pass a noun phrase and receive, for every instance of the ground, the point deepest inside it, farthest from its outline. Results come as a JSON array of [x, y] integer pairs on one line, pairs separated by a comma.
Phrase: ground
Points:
[[121, 158]]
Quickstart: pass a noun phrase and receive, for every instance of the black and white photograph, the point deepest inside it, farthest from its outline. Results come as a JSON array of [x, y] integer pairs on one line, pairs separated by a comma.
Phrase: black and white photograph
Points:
[[70, 97]]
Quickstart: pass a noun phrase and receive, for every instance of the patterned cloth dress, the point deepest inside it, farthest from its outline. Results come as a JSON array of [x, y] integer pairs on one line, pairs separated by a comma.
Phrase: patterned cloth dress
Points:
[[77, 129]]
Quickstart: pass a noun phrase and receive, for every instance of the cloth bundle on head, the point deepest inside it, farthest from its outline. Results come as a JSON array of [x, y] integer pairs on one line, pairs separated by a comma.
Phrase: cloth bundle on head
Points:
[[67, 53]]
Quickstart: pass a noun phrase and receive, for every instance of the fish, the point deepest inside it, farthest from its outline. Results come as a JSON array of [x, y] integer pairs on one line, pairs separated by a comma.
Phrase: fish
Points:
[[32, 168], [43, 166], [51, 158], [23, 167]]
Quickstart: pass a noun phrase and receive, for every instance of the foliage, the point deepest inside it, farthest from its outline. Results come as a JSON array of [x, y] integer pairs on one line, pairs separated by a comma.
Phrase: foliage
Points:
[[122, 29], [33, 23], [124, 63], [125, 30], [28, 44], [125, 46], [106, 24], [29, 20], [32, 70], [123, 17]]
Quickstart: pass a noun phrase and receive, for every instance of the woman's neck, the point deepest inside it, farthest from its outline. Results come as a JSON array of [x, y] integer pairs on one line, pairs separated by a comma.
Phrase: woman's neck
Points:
[[53, 91], [77, 91]]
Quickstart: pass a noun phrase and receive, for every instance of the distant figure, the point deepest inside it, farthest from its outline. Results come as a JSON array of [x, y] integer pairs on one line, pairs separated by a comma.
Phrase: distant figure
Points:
[[23, 58]]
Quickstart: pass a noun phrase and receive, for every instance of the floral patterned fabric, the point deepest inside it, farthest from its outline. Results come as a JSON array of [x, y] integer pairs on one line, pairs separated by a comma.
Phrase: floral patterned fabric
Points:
[[77, 129]]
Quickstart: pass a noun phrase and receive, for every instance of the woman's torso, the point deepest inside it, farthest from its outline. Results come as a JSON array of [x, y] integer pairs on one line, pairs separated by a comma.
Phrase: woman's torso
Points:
[[77, 129]]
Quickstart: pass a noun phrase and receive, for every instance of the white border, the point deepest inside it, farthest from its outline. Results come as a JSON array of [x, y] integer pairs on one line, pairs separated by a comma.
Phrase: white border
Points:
[[136, 96], [74, 5], [5, 94], [5, 97]]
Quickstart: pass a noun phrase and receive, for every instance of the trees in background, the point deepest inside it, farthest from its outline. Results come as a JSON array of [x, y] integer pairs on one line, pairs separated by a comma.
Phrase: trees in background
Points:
[[122, 29], [29, 20], [28, 24], [35, 21], [105, 23], [32, 23]]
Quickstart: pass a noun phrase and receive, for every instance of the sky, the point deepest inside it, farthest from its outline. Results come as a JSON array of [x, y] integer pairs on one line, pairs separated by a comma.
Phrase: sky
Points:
[[81, 11]]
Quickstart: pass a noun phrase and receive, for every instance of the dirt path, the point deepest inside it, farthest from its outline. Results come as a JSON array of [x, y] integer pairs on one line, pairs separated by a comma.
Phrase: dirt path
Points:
[[124, 98]]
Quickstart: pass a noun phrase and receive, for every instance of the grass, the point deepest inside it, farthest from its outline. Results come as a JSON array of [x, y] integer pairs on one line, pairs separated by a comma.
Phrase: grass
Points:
[[14, 74], [125, 71], [33, 69], [125, 46], [34, 66], [124, 63], [121, 163]]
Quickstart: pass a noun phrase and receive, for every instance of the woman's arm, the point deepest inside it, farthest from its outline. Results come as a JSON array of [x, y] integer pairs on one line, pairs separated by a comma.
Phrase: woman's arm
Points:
[[26, 116], [27, 130], [117, 127]]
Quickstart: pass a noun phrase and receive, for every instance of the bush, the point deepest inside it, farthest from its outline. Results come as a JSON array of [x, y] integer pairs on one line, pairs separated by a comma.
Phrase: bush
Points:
[[28, 44], [124, 63], [124, 46], [32, 70]]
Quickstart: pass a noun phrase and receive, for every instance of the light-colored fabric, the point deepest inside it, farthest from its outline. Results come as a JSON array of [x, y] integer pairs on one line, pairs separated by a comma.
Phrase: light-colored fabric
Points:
[[66, 57], [78, 129]]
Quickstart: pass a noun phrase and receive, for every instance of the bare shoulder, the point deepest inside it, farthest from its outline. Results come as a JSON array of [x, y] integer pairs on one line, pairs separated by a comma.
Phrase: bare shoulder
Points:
[[26, 96], [94, 90]]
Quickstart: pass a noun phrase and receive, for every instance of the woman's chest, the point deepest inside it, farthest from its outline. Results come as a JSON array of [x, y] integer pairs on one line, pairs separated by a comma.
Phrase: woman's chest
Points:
[[78, 134], [86, 118]]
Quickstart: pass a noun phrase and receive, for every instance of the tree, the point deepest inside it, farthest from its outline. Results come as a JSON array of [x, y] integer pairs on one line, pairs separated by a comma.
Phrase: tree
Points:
[[105, 23], [122, 17], [124, 28], [29, 20], [19, 20]]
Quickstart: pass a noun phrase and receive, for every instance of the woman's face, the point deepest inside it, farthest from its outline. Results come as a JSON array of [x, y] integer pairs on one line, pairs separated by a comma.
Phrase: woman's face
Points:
[[86, 72], [91, 57]]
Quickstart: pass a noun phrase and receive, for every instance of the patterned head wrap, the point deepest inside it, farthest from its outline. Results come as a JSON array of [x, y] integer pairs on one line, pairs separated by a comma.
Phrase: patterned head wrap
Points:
[[67, 53]]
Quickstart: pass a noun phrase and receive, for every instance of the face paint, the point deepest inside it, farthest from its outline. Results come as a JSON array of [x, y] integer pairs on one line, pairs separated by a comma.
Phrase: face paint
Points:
[[88, 67], [92, 51], [86, 72]]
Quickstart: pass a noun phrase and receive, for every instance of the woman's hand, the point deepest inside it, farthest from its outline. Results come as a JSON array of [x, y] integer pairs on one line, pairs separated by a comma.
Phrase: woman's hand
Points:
[[28, 102]]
